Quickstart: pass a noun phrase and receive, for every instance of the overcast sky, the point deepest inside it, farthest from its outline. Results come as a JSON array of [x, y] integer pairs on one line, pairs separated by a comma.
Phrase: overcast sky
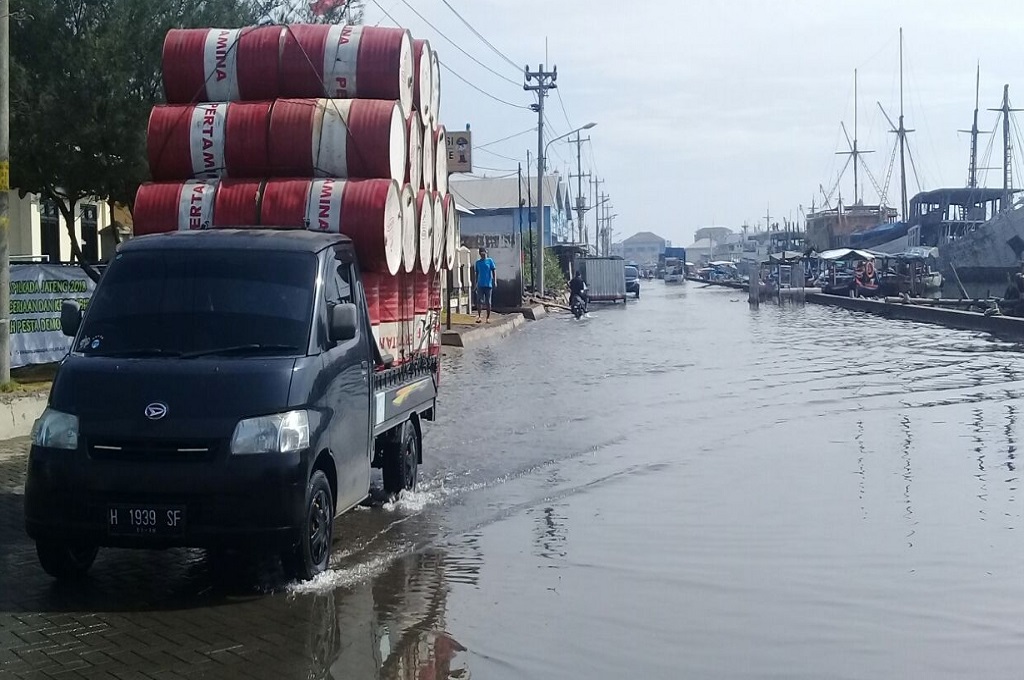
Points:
[[709, 112]]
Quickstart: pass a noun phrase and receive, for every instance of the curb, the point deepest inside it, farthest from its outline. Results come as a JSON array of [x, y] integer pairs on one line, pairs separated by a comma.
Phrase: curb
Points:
[[475, 336]]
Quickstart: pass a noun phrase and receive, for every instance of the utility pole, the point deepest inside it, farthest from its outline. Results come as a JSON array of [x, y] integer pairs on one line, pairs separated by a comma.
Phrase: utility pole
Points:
[[1005, 110], [522, 279], [597, 214], [545, 81], [581, 201], [529, 219], [5, 189]]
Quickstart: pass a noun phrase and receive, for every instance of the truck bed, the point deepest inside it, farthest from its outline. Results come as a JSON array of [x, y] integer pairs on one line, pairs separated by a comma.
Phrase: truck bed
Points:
[[399, 392]]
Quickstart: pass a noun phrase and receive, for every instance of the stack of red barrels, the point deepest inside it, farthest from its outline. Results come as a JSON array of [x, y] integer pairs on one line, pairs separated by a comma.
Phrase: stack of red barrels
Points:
[[321, 127]]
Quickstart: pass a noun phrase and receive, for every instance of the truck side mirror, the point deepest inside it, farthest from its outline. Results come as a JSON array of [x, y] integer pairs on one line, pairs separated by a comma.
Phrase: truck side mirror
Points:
[[344, 322], [70, 318]]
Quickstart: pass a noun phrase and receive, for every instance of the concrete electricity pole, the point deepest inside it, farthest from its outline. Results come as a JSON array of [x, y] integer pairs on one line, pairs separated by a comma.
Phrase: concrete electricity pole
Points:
[[5, 188], [597, 214], [545, 81], [581, 201]]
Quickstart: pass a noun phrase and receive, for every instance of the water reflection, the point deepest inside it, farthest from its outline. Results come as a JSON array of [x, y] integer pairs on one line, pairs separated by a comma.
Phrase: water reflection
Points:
[[391, 628], [908, 440]]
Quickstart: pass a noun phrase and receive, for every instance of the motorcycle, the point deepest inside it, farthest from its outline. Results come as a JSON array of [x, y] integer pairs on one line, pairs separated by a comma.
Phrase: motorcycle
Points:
[[578, 306]]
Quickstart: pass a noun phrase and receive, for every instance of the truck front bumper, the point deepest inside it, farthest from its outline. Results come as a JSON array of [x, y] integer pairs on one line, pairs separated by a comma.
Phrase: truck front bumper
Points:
[[239, 502]]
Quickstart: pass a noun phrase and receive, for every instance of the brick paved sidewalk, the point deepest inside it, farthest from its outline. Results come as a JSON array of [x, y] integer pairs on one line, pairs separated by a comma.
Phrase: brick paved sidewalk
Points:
[[161, 615]]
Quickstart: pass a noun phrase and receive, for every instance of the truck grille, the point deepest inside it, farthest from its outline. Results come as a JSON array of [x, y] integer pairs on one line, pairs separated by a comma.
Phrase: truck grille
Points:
[[152, 450]]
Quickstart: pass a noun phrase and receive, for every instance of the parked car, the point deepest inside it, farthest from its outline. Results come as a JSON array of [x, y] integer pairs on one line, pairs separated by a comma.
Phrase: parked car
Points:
[[632, 280]]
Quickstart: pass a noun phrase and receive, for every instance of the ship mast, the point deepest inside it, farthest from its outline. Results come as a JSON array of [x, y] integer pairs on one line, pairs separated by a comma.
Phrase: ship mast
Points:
[[1005, 110], [855, 151], [902, 132], [972, 172]]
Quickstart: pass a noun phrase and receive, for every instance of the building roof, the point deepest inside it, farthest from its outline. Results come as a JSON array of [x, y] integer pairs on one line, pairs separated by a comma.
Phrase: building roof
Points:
[[645, 236], [959, 196], [701, 244], [503, 193]]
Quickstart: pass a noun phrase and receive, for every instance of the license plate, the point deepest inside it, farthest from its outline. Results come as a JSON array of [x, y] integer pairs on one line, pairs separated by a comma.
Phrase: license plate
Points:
[[146, 520]]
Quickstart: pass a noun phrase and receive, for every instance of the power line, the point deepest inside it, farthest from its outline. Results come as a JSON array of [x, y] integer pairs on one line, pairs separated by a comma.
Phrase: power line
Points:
[[499, 155], [453, 43], [449, 68], [483, 39], [481, 91], [505, 139], [564, 112]]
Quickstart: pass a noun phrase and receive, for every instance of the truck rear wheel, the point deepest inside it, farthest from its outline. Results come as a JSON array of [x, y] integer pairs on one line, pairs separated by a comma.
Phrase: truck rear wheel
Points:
[[401, 462], [65, 561], [311, 556]]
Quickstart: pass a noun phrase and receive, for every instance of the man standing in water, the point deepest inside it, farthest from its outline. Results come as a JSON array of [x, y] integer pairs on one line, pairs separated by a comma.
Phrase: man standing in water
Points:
[[484, 284]]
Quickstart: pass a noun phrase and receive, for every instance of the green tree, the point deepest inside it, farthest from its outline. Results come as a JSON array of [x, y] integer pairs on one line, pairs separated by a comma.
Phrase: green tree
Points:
[[554, 278], [84, 76]]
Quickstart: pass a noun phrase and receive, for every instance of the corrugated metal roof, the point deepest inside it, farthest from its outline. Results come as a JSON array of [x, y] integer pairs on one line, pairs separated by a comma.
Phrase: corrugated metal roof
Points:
[[503, 193]]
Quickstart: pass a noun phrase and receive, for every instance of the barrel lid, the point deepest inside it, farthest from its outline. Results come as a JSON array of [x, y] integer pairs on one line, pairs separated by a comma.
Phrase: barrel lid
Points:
[[435, 94], [441, 161], [429, 165], [452, 233], [437, 245], [406, 72], [410, 229], [393, 228], [425, 68], [399, 143], [414, 164], [425, 215]]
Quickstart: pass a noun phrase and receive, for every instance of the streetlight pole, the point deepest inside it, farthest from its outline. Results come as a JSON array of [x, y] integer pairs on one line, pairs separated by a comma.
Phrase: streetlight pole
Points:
[[540, 194]]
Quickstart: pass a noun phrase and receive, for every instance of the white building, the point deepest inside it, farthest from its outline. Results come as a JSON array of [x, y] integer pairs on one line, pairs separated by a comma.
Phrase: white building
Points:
[[37, 229]]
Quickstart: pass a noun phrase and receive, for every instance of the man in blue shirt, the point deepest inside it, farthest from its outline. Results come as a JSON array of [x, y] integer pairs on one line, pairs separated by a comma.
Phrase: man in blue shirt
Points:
[[485, 281]]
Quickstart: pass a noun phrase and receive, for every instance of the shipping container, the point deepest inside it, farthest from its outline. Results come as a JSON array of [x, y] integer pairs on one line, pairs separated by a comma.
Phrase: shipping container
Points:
[[605, 277]]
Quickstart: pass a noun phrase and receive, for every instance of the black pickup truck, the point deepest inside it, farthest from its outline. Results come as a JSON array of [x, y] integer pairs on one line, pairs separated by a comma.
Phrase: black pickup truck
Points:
[[223, 391]]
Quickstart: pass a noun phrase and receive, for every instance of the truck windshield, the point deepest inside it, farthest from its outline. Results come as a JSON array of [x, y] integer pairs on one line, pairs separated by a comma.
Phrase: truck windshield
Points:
[[174, 303]]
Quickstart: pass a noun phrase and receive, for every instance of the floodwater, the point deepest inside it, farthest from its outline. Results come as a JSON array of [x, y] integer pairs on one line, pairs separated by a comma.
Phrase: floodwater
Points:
[[682, 488]]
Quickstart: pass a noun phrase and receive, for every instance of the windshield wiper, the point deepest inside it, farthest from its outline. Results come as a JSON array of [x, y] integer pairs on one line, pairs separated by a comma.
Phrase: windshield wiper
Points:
[[139, 352], [240, 349]]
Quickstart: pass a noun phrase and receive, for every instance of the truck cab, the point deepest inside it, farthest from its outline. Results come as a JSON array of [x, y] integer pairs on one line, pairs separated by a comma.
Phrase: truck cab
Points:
[[224, 391]]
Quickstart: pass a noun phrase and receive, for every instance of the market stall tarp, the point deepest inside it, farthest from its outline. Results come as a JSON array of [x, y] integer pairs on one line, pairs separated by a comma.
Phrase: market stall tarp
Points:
[[37, 293], [847, 255]]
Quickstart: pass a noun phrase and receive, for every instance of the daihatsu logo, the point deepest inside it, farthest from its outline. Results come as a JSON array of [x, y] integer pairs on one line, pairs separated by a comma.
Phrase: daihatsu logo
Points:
[[156, 411]]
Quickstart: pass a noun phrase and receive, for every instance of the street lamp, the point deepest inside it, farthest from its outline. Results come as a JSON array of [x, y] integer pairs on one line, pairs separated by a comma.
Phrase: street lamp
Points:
[[539, 255]]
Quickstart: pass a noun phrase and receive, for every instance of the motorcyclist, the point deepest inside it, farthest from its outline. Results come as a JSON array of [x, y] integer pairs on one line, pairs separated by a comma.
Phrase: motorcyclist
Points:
[[578, 288]]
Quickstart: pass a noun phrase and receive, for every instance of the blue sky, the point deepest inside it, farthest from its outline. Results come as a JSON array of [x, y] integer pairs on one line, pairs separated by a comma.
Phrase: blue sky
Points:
[[710, 113]]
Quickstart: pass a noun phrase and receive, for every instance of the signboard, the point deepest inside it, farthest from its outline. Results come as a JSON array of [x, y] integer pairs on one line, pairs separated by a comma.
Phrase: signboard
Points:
[[37, 292], [460, 151]]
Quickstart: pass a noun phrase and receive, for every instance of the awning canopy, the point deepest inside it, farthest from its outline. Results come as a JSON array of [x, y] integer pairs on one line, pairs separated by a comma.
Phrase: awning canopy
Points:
[[848, 255]]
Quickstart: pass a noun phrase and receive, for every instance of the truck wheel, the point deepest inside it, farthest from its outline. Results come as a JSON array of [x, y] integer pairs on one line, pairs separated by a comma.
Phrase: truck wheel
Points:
[[311, 555], [401, 463], [65, 561]]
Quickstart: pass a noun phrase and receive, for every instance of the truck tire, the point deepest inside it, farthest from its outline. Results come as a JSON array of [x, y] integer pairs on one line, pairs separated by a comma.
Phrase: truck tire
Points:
[[313, 552], [65, 561], [401, 462]]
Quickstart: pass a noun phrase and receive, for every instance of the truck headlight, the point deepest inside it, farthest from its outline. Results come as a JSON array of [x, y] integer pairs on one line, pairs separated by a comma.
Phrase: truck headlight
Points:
[[56, 430], [279, 433]]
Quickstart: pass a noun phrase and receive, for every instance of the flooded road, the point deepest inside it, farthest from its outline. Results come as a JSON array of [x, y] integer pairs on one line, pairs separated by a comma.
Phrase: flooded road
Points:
[[683, 488]]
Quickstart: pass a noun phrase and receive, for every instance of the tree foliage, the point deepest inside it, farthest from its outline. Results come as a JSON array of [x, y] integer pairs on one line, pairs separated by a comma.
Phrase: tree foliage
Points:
[[84, 76]]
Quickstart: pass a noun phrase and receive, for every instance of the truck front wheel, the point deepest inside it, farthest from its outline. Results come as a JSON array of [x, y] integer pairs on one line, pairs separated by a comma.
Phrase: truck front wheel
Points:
[[311, 556], [401, 462], [65, 561]]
